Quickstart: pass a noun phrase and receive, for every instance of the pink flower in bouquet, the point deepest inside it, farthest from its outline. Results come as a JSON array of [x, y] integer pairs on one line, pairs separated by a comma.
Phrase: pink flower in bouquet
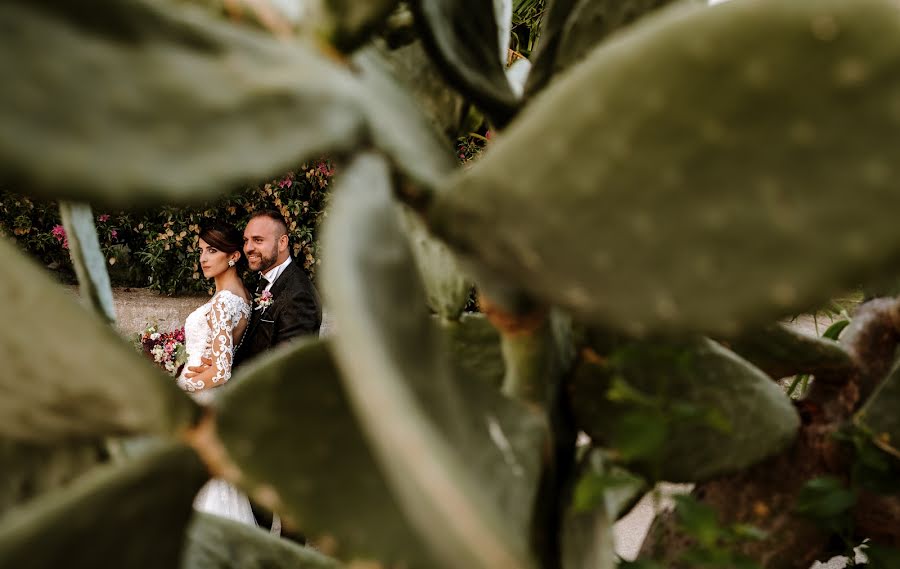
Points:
[[166, 349], [103, 218]]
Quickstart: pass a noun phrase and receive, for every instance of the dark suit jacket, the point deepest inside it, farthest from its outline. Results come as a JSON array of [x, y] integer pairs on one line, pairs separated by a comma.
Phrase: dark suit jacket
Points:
[[295, 311]]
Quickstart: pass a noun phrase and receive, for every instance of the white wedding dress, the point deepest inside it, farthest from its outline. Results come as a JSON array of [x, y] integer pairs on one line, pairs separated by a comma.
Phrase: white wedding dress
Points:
[[209, 332]]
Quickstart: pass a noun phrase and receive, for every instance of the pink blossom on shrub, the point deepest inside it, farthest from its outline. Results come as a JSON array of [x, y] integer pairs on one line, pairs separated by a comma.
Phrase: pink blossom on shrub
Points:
[[113, 234], [103, 218], [59, 232], [324, 169]]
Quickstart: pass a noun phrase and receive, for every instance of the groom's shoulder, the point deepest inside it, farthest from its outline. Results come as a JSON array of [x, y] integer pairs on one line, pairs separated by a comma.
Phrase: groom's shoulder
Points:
[[295, 275]]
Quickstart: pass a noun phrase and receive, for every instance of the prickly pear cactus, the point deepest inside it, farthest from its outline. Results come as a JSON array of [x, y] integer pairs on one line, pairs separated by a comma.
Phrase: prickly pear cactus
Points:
[[624, 189], [678, 175]]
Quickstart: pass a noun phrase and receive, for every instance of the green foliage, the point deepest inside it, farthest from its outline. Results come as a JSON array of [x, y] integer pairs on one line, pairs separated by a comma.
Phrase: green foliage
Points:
[[827, 501], [462, 37], [640, 564], [421, 396], [527, 18], [88, 258], [157, 248], [418, 435], [218, 543], [31, 469], [311, 503], [152, 495], [117, 392], [713, 542], [781, 351], [682, 410], [610, 488], [881, 557], [653, 249], [879, 415], [578, 26]]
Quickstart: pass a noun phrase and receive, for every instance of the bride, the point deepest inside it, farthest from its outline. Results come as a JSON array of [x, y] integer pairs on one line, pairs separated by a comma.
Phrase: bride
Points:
[[212, 331]]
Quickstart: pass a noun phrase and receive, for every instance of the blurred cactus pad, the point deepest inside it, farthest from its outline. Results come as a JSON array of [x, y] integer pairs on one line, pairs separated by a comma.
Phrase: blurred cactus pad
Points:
[[595, 301]]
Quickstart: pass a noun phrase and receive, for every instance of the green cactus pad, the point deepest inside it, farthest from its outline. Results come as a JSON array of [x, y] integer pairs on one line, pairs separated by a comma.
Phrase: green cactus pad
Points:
[[587, 536], [218, 543], [543, 58], [68, 375], [398, 125], [881, 413], [683, 410], [193, 107], [30, 470], [353, 21], [446, 287], [315, 456], [130, 515], [587, 541], [462, 460], [88, 259], [602, 484], [680, 177], [475, 349], [781, 351], [462, 38], [587, 23]]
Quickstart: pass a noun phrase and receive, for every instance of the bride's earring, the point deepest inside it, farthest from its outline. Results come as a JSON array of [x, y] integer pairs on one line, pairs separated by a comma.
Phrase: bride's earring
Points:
[[230, 262]]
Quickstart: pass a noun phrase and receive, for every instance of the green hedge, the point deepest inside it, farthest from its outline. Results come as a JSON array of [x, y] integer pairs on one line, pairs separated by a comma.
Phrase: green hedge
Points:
[[158, 248]]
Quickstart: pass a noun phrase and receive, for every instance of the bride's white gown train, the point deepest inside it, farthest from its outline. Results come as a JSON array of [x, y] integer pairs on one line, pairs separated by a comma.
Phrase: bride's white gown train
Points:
[[209, 332]]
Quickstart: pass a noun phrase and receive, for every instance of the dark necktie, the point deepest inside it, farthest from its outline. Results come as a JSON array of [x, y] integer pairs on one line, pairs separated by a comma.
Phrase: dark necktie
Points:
[[262, 284]]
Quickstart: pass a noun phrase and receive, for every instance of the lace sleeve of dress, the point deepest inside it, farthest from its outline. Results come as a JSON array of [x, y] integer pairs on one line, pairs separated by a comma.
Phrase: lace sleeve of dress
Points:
[[224, 315]]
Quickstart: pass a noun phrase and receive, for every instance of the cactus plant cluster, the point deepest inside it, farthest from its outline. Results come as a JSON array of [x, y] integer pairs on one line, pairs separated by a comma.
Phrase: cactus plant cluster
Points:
[[674, 179]]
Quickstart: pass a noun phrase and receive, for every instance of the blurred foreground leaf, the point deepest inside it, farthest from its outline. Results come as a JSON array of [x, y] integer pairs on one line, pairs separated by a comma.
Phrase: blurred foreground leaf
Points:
[[68, 375], [130, 515], [564, 204], [462, 459]]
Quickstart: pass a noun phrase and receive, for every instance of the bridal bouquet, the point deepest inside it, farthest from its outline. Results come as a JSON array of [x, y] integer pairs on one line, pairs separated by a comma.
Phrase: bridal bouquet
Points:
[[166, 349]]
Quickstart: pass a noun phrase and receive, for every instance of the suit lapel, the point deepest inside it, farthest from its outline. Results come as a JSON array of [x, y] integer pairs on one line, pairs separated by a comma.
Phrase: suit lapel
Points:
[[255, 313], [277, 287], [282, 281]]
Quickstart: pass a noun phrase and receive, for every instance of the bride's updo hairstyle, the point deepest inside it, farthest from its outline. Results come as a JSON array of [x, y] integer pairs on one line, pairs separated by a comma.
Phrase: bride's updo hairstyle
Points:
[[224, 237]]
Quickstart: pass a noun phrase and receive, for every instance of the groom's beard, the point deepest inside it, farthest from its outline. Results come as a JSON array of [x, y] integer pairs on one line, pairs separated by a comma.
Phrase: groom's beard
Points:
[[261, 262]]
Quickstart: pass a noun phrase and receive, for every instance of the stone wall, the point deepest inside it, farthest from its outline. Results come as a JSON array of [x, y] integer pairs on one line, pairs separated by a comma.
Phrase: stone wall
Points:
[[137, 307]]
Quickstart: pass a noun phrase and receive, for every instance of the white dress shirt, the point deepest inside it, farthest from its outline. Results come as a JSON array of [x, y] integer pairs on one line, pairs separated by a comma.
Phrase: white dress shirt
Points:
[[272, 274]]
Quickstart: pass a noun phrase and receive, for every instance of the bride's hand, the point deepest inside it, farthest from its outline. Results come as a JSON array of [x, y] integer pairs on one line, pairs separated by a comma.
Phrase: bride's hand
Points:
[[197, 370]]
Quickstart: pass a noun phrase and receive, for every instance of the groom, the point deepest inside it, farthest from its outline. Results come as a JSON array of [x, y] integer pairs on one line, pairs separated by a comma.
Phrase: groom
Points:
[[285, 303]]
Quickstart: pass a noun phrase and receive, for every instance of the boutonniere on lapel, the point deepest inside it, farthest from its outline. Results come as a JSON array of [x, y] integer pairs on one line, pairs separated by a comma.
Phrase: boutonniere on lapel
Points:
[[263, 300]]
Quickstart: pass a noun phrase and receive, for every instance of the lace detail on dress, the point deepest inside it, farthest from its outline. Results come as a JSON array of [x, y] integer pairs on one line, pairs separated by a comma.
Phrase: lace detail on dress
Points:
[[225, 314], [209, 332]]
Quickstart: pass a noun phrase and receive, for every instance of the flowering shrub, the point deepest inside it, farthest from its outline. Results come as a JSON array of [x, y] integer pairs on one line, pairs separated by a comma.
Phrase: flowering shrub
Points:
[[158, 248], [471, 145]]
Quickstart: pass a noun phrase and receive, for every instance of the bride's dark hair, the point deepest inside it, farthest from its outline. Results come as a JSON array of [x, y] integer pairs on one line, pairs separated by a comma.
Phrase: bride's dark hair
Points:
[[224, 237]]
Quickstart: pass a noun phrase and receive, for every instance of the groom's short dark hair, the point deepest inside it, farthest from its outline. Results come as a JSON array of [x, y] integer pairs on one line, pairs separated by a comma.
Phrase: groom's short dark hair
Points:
[[275, 216]]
